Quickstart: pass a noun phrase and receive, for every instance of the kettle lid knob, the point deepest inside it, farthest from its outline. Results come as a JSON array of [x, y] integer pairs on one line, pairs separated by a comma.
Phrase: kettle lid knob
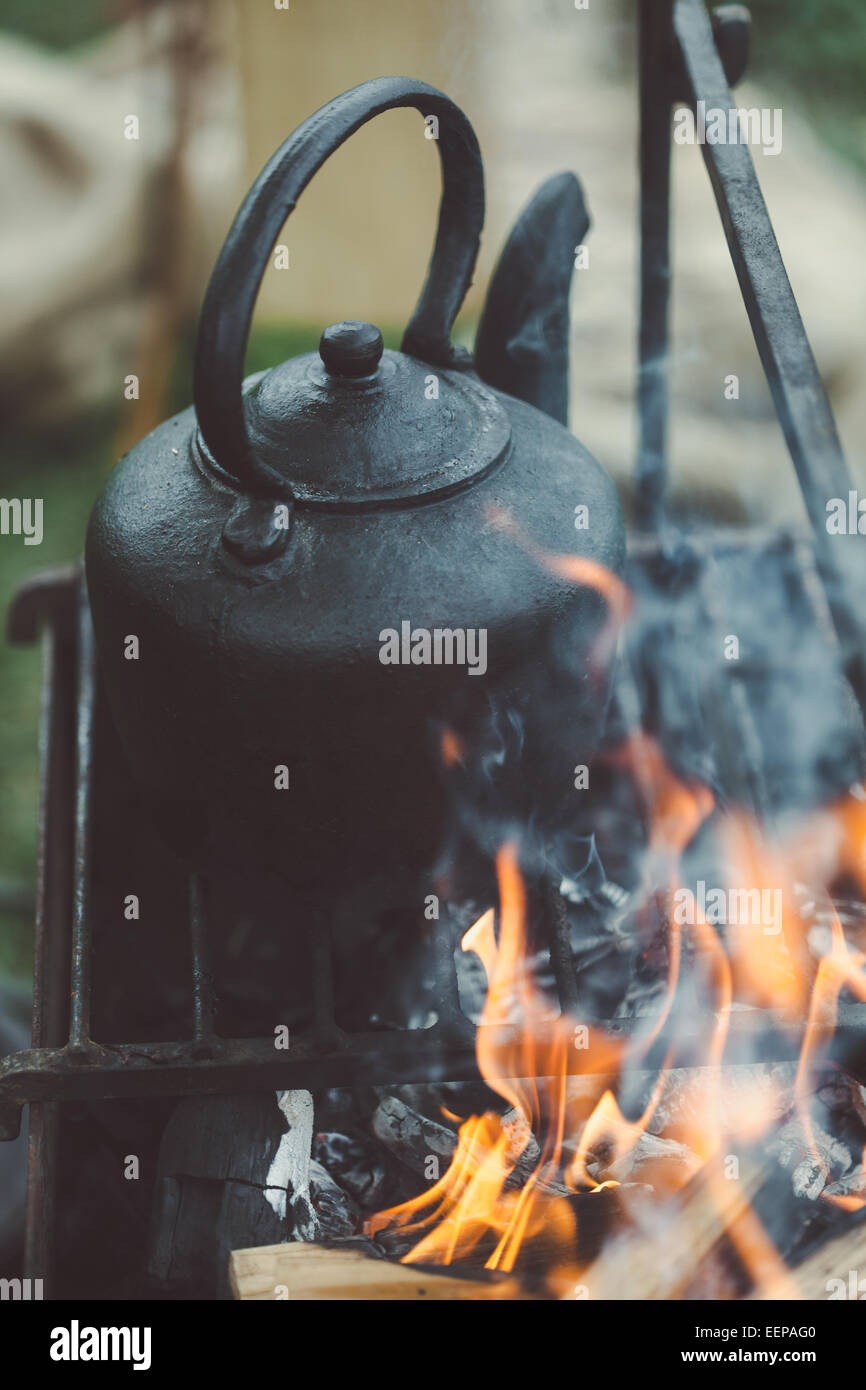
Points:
[[351, 348]]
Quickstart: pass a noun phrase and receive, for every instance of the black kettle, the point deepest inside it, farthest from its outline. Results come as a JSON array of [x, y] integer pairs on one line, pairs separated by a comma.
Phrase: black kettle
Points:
[[345, 600]]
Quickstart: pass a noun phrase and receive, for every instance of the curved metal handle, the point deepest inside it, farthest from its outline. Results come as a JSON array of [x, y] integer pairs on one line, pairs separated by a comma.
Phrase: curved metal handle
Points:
[[230, 298]]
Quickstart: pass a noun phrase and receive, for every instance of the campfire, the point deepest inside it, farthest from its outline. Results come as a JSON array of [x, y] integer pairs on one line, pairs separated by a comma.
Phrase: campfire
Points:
[[695, 1145]]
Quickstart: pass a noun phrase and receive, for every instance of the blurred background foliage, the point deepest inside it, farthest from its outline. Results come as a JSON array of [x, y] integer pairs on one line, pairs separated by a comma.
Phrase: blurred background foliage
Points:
[[811, 51], [814, 52]]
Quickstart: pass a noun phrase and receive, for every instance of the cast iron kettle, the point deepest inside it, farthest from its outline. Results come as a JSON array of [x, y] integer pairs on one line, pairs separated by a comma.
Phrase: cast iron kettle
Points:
[[262, 547]]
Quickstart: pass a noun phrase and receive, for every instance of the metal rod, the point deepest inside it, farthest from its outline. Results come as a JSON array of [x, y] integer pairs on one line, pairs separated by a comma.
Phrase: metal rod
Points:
[[452, 1020], [655, 46], [81, 966], [792, 373], [203, 999], [141, 1070], [39, 1205], [48, 602]]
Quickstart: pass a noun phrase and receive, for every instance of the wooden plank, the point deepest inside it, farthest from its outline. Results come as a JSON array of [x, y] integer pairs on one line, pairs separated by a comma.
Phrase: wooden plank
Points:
[[838, 1260], [314, 1273]]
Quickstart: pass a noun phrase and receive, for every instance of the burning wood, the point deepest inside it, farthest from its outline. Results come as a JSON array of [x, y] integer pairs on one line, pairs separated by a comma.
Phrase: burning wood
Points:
[[312, 1273], [660, 1261], [648, 1154], [759, 1091], [838, 1271], [595, 1160], [354, 1164], [852, 1185], [412, 1138], [523, 1179], [335, 1213], [421, 1143]]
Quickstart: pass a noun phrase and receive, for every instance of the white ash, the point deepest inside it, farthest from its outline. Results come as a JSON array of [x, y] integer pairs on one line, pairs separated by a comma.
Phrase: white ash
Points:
[[289, 1173], [648, 1149], [812, 1156], [765, 1087], [335, 1213], [852, 1185]]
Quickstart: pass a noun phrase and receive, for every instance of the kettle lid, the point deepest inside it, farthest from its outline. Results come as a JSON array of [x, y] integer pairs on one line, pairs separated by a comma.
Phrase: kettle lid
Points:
[[357, 424]]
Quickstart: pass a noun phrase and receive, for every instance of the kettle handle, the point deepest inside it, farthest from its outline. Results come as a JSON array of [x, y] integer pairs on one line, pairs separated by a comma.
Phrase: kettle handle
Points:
[[230, 298]]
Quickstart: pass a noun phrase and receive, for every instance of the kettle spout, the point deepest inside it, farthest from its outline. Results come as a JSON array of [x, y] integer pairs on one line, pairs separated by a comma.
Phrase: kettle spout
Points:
[[522, 342]]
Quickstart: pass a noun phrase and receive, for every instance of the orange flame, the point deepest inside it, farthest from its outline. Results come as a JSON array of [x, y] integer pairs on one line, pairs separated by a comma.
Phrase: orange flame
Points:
[[576, 569], [842, 968], [528, 1066], [559, 1079]]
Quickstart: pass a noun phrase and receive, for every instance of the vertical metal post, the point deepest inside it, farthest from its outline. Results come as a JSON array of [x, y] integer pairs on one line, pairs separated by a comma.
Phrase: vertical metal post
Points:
[[452, 1020], [203, 998], [81, 969], [53, 911], [655, 77], [798, 393]]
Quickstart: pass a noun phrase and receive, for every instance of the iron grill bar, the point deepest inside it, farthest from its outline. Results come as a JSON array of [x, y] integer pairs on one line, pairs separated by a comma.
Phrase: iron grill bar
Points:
[[138, 1070], [204, 1004], [47, 602], [42, 1132], [81, 968], [455, 1026]]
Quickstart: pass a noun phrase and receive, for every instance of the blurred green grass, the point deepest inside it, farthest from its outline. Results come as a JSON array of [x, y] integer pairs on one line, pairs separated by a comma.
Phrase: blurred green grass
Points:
[[814, 53], [56, 26]]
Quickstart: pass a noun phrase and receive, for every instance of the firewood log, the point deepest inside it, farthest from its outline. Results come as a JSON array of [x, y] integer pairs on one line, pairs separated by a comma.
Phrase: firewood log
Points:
[[315, 1273], [836, 1271]]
